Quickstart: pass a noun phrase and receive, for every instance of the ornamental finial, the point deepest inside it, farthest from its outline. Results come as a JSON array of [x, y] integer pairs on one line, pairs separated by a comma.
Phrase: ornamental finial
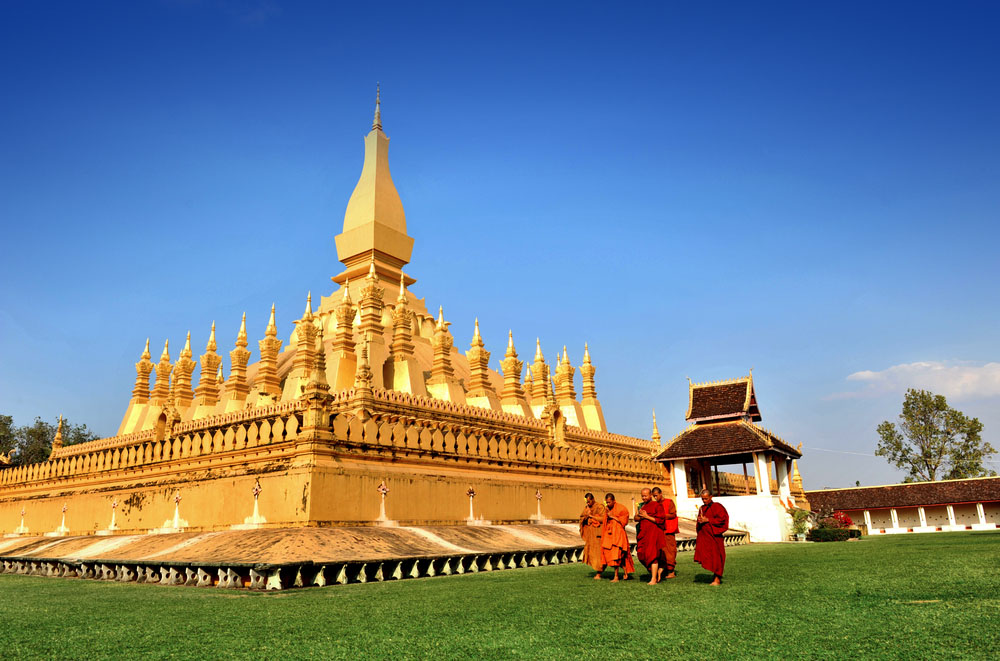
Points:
[[272, 329], [377, 122]]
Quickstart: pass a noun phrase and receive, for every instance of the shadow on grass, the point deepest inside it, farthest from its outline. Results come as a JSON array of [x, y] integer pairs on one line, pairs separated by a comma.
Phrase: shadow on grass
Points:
[[703, 578]]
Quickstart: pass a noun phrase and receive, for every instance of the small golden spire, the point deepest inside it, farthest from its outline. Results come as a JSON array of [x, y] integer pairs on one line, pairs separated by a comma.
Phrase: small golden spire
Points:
[[165, 356], [402, 288], [309, 306], [186, 351], [510, 342], [211, 345], [241, 337], [145, 352], [347, 290], [586, 354], [565, 357], [371, 268], [57, 442], [377, 122], [218, 376], [272, 329], [440, 321], [538, 350]]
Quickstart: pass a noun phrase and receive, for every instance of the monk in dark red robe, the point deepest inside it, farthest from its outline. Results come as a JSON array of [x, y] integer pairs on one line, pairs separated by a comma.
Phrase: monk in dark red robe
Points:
[[669, 560], [591, 524], [614, 541], [710, 548], [649, 538]]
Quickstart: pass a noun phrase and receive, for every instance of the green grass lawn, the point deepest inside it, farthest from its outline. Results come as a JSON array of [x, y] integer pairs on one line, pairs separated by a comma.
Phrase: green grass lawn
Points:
[[907, 596]]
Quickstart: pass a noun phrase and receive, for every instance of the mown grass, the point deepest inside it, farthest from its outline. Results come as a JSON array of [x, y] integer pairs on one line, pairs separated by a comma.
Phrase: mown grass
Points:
[[913, 596]]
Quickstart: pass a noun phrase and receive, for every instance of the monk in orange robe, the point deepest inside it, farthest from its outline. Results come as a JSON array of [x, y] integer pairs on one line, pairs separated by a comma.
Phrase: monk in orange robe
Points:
[[669, 561], [591, 526], [649, 537], [614, 542], [710, 548]]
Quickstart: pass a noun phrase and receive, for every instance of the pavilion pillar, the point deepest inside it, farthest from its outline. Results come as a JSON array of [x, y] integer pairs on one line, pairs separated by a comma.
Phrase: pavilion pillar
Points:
[[981, 511], [680, 480], [784, 486], [951, 516], [895, 519], [868, 521], [923, 517], [761, 474]]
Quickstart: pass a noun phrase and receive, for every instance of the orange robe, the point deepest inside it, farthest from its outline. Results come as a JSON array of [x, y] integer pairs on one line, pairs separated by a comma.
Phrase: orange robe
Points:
[[591, 524], [670, 532], [615, 544], [710, 548]]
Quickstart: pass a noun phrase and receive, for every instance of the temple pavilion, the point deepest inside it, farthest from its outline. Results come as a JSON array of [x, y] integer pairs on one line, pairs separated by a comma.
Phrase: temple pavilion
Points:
[[723, 431]]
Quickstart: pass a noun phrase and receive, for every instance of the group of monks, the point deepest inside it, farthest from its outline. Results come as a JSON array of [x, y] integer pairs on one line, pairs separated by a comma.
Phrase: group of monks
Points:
[[606, 542]]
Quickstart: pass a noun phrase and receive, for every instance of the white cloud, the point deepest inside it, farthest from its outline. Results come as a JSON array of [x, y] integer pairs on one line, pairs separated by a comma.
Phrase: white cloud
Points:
[[956, 380]]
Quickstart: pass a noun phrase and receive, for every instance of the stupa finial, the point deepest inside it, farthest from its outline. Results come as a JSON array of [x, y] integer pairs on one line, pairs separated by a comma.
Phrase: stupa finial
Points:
[[377, 122], [145, 352], [211, 345], [272, 329], [165, 356], [538, 350], [402, 288], [241, 337]]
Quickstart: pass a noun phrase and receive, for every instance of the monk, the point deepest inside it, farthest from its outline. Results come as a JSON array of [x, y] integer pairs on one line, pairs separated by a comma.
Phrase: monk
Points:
[[710, 548], [669, 560], [591, 524], [614, 543], [649, 538]]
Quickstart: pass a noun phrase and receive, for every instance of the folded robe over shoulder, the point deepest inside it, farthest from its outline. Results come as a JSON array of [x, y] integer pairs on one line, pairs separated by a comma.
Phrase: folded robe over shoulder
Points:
[[649, 538], [710, 548], [615, 543], [591, 524]]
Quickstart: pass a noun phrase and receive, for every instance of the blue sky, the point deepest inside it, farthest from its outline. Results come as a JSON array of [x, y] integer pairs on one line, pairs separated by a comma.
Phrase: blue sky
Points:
[[807, 189]]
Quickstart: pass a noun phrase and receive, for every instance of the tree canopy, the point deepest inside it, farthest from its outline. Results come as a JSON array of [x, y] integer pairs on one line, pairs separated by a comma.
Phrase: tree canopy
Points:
[[933, 441], [30, 444]]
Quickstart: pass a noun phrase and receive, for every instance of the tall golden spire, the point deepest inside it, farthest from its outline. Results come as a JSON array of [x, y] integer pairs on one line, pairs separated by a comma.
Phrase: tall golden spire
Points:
[[587, 375], [237, 387], [656, 430], [565, 392], [182, 376], [161, 389], [512, 394], [374, 222], [140, 392], [479, 359], [305, 346], [207, 392], [441, 368], [402, 333], [343, 337], [540, 375], [267, 373]]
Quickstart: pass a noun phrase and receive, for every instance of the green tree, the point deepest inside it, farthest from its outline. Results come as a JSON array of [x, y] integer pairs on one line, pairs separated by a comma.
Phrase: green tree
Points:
[[7, 438], [933, 441], [31, 444]]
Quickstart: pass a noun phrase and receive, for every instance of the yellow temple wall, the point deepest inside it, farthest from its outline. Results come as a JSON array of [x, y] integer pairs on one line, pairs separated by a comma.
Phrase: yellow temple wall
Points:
[[428, 452]]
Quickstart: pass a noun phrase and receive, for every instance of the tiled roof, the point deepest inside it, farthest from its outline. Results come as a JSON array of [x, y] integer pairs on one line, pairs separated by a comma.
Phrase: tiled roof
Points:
[[914, 494], [723, 438], [726, 399]]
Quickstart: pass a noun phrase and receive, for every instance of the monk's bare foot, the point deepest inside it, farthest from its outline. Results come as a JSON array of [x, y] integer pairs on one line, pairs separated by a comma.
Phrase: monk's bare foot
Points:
[[671, 575], [659, 576], [652, 582], [597, 577], [716, 582], [625, 578], [614, 580]]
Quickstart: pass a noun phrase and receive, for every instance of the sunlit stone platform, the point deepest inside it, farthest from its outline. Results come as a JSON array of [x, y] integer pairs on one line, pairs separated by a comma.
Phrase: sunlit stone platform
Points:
[[282, 558]]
